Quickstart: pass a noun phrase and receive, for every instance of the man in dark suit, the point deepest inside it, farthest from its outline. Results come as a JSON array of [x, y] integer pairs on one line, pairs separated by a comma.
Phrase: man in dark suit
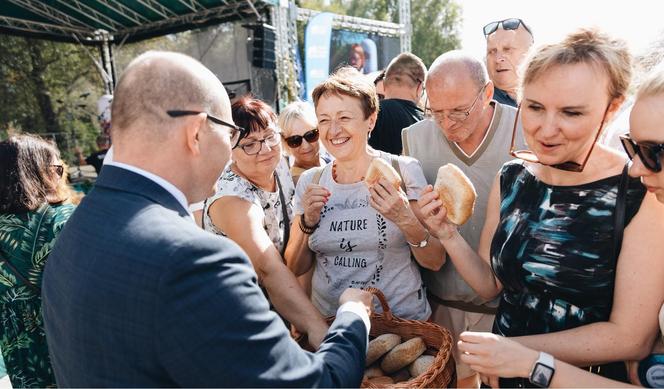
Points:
[[136, 295]]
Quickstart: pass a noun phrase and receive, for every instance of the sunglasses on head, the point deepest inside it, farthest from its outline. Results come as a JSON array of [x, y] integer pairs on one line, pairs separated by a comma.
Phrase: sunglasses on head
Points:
[[650, 153], [295, 141], [570, 166], [508, 24]]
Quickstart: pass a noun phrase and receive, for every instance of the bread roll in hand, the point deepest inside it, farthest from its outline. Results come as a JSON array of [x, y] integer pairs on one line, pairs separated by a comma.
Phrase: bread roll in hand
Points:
[[381, 168], [456, 192]]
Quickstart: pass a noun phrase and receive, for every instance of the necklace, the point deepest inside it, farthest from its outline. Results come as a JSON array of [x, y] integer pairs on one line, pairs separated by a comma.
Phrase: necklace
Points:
[[334, 174]]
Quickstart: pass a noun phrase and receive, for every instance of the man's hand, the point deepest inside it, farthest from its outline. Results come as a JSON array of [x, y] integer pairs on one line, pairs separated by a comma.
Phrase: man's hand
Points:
[[435, 214], [357, 295]]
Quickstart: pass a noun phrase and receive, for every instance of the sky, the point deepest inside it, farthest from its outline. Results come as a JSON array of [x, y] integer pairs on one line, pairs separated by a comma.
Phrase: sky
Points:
[[639, 22]]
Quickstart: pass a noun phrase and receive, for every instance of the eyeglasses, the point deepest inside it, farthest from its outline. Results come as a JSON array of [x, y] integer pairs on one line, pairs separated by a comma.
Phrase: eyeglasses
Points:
[[255, 147], [295, 141], [649, 152], [59, 170], [237, 133], [457, 116], [508, 24], [570, 166]]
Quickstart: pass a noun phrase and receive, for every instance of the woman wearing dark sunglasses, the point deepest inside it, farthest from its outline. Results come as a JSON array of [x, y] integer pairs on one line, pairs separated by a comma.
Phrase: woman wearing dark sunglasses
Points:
[[32, 214], [644, 145], [252, 206], [548, 247], [298, 129]]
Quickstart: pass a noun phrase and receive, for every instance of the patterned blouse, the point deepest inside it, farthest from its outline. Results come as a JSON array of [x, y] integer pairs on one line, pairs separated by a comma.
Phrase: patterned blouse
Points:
[[26, 240], [231, 184], [553, 251]]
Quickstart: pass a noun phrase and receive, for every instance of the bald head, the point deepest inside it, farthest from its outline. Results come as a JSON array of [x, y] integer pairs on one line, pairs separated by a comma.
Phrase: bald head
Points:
[[455, 66], [156, 82], [505, 51]]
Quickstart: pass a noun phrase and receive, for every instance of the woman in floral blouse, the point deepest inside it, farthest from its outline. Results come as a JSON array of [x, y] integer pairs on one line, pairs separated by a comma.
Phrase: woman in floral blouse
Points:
[[31, 216]]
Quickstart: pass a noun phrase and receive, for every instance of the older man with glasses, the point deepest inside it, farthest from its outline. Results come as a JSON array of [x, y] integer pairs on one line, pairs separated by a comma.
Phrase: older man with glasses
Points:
[[469, 129], [507, 43]]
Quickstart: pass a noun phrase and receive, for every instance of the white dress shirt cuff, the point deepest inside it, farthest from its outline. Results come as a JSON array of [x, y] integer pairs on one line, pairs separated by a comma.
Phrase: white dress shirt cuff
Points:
[[357, 308]]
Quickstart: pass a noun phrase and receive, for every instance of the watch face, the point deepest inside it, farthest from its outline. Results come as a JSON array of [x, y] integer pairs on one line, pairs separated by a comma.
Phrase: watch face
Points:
[[542, 375]]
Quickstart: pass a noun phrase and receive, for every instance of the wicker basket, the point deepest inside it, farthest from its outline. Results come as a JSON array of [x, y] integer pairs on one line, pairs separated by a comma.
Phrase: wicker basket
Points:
[[441, 373]]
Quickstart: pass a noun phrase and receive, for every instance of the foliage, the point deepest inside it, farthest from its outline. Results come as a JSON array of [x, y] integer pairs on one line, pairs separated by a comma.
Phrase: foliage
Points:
[[435, 23], [435, 28], [49, 88]]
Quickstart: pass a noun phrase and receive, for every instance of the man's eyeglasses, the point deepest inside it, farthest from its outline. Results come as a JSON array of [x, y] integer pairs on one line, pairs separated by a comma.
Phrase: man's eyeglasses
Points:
[[295, 141], [59, 170], [508, 24], [237, 132], [650, 153], [570, 166], [457, 116], [255, 147]]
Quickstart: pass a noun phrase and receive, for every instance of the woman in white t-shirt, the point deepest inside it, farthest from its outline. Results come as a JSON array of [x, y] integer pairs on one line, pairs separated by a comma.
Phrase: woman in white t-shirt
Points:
[[353, 235], [252, 206]]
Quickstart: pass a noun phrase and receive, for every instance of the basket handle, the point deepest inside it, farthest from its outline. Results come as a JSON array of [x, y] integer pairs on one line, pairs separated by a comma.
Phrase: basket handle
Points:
[[383, 301]]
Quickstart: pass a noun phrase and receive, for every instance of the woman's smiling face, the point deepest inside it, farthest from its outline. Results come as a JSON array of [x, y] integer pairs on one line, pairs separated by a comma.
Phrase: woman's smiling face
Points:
[[343, 128]]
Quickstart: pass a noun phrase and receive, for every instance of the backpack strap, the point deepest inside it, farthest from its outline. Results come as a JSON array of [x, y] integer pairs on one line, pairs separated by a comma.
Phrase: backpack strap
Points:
[[404, 142], [394, 160], [319, 171]]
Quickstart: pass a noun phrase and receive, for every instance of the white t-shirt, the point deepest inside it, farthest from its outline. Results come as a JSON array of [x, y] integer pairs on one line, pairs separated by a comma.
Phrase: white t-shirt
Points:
[[355, 246]]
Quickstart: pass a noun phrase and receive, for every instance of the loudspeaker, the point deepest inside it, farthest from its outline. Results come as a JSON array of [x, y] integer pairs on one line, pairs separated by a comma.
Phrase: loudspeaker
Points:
[[264, 55]]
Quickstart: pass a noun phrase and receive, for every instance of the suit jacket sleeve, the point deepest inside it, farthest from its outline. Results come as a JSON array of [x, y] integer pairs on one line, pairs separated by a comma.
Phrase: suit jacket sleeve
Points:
[[215, 329]]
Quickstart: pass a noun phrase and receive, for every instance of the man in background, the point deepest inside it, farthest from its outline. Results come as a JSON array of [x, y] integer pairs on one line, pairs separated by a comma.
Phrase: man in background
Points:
[[96, 159], [404, 85], [507, 43]]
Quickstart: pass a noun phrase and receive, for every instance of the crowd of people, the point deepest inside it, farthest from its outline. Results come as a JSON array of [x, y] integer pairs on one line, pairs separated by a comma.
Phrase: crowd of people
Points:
[[557, 268]]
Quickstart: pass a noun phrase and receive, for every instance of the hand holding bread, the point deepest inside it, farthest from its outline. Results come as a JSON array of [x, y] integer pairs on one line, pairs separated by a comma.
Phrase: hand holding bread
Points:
[[456, 192], [385, 194], [379, 168], [449, 203], [313, 200]]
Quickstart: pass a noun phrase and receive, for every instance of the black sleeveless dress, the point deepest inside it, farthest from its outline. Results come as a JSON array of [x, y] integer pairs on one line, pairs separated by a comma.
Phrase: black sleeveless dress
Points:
[[553, 252]]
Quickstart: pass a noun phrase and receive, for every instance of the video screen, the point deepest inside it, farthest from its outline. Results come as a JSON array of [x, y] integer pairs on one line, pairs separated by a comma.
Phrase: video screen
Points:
[[366, 52]]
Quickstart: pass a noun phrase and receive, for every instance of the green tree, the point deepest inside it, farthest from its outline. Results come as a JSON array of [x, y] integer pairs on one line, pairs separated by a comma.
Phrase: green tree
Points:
[[49, 88], [435, 28]]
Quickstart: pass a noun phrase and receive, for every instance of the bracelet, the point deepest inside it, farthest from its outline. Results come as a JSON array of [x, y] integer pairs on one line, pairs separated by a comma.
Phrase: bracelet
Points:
[[423, 243], [305, 228]]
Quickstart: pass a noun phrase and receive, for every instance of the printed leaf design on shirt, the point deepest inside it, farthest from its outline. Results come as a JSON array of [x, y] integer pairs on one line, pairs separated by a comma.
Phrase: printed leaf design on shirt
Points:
[[382, 234], [376, 276], [325, 210]]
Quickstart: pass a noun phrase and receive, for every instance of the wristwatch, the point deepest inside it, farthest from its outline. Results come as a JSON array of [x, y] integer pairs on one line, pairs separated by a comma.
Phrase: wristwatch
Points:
[[423, 243], [543, 370]]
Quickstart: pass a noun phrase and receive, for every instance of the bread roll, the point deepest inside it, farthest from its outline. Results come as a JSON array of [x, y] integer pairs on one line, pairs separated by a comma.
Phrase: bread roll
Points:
[[456, 192], [420, 365], [381, 345], [381, 168], [403, 355], [382, 380], [400, 376], [373, 371]]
